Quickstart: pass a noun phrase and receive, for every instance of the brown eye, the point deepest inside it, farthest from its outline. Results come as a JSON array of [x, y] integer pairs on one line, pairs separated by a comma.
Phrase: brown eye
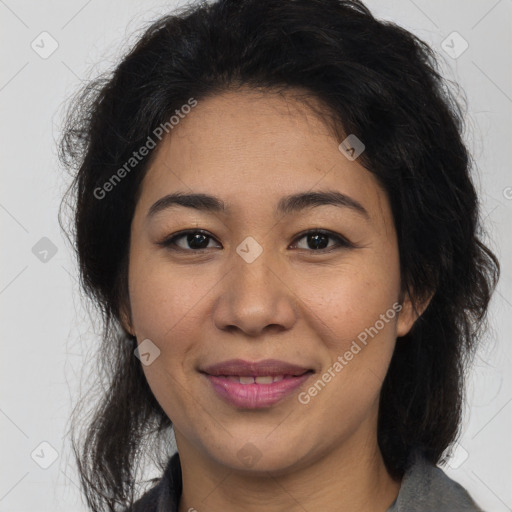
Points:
[[192, 240], [318, 240], [199, 240]]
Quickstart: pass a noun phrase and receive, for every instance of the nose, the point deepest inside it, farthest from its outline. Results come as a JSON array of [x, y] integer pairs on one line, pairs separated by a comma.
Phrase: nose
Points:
[[254, 298]]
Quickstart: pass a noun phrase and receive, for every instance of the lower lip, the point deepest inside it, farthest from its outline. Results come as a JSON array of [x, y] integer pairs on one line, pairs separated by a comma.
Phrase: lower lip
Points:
[[255, 396]]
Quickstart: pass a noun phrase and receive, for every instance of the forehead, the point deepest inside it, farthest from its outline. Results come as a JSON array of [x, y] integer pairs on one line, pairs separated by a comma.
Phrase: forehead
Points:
[[261, 123], [255, 145]]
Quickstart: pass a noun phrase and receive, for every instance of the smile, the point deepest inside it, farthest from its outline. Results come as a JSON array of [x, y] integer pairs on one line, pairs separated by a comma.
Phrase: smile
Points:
[[252, 393]]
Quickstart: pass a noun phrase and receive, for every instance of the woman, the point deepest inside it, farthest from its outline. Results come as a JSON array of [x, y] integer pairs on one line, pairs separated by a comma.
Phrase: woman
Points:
[[275, 214]]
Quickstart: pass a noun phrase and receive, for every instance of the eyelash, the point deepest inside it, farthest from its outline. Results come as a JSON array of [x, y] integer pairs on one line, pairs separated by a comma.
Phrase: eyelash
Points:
[[342, 242]]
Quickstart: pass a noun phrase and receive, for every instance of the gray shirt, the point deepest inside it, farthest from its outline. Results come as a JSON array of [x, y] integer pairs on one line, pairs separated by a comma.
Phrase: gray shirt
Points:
[[425, 488]]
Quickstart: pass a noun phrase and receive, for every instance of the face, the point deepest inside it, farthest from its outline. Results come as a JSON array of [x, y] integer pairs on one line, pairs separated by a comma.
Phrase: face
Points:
[[312, 285]]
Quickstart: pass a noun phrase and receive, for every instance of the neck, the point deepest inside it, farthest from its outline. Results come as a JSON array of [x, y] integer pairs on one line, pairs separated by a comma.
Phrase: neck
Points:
[[351, 478]]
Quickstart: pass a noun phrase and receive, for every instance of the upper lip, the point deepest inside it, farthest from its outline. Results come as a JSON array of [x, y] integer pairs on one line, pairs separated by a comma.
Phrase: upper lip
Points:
[[242, 368]]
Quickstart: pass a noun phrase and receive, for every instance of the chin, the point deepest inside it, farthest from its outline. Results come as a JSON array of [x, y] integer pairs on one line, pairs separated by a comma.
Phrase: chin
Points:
[[261, 454]]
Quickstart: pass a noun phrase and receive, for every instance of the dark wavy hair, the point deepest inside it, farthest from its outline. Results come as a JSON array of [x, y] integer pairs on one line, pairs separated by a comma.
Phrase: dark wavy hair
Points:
[[373, 79]]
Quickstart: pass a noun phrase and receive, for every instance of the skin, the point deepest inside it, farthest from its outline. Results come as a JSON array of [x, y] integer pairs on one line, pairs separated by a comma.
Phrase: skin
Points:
[[294, 303]]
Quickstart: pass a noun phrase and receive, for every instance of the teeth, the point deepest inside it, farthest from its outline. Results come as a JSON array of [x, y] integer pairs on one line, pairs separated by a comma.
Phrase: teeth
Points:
[[263, 379]]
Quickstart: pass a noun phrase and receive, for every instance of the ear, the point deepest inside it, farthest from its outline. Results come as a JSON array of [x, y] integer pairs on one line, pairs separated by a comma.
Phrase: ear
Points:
[[410, 313], [126, 318]]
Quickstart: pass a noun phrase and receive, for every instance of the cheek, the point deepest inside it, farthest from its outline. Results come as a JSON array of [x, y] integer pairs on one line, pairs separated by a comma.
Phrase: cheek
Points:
[[166, 308], [351, 298], [165, 300]]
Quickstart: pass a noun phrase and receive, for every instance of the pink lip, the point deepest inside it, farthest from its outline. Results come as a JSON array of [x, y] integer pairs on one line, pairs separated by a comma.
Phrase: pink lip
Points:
[[255, 396], [251, 368]]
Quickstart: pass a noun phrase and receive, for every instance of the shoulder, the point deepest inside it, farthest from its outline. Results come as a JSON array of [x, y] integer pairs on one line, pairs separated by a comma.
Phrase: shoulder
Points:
[[148, 502], [427, 488], [164, 495]]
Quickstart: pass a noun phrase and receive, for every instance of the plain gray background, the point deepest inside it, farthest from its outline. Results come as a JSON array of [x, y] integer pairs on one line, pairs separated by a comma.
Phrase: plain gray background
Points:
[[47, 335]]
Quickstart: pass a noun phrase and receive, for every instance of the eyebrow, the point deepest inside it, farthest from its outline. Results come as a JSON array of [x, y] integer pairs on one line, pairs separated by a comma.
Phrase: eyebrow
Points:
[[286, 205]]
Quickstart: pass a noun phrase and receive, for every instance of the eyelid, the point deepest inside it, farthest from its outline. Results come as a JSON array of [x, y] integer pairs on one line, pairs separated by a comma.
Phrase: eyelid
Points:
[[169, 241], [342, 242]]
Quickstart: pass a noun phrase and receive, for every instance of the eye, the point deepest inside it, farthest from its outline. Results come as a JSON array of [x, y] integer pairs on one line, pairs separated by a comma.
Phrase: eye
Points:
[[318, 240], [197, 240]]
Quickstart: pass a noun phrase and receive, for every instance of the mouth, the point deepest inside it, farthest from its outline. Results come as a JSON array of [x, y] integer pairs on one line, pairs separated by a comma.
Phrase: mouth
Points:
[[255, 385]]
